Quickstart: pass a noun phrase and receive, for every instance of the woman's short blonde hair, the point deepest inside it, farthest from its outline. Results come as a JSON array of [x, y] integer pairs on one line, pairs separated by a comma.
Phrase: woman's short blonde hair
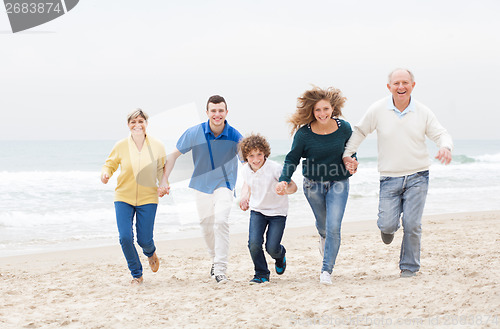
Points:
[[306, 102], [137, 113]]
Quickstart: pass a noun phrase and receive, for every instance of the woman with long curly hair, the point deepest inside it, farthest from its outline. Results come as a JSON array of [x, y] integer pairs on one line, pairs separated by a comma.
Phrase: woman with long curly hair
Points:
[[320, 138]]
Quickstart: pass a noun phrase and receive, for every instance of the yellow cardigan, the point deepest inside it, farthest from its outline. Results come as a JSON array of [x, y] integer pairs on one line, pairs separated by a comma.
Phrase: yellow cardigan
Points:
[[140, 171]]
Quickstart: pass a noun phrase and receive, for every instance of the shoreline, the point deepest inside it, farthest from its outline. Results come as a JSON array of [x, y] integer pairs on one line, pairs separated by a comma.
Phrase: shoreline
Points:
[[195, 238], [351, 226]]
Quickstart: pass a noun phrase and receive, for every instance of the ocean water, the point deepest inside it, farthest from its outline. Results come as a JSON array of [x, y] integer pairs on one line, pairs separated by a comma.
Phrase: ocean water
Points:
[[52, 198]]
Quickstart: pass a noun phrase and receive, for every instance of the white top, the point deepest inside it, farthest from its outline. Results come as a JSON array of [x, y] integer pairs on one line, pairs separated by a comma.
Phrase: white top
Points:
[[400, 139], [262, 183]]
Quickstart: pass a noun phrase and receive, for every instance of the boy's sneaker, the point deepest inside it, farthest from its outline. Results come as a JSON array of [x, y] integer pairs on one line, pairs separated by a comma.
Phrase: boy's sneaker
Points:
[[212, 274], [256, 280], [325, 278], [221, 278], [321, 245], [280, 265]]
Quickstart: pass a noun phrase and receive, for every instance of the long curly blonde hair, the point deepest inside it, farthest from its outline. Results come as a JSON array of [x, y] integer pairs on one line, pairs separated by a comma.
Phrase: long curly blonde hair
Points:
[[306, 102]]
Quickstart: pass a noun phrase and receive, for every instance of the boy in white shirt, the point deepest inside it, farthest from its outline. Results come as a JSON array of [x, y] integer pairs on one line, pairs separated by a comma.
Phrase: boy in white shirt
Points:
[[267, 208]]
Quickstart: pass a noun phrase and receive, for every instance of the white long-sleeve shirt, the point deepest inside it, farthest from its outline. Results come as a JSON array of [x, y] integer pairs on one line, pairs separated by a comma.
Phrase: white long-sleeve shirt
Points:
[[400, 139]]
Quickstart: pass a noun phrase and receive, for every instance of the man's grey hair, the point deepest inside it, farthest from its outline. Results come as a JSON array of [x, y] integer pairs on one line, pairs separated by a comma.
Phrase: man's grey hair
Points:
[[400, 69]]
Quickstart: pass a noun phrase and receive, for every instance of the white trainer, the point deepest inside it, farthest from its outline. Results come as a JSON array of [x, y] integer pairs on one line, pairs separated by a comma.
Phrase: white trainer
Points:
[[221, 278], [325, 278]]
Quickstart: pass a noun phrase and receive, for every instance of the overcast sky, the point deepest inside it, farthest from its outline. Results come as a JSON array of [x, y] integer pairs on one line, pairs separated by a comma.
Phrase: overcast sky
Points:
[[79, 75]]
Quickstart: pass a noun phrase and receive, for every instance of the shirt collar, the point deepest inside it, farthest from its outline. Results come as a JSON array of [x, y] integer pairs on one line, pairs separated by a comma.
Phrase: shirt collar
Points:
[[208, 131], [409, 108]]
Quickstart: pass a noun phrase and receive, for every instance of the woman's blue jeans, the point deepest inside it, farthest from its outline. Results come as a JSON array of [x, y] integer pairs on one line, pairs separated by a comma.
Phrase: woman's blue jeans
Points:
[[328, 200], [144, 224], [404, 195], [275, 226]]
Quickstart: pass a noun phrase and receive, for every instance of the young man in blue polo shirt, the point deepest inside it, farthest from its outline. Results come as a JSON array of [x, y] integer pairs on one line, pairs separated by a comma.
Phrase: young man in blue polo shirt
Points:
[[214, 146]]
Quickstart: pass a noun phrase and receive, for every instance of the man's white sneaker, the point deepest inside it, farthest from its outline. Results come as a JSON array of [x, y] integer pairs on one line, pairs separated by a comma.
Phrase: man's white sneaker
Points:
[[221, 278], [325, 278]]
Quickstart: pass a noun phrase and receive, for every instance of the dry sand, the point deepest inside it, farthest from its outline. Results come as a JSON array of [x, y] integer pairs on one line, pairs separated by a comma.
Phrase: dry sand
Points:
[[457, 286]]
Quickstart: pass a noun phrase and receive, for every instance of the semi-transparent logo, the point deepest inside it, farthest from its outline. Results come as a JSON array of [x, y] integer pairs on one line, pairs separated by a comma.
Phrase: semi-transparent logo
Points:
[[25, 14]]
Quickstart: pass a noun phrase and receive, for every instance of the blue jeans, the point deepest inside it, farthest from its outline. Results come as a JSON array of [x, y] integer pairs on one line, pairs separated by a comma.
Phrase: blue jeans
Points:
[[404, 195], [275, 226], [144, 223], [328, 200]]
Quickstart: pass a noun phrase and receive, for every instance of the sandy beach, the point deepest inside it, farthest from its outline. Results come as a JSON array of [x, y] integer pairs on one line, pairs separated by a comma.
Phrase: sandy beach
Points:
[[457, 286]]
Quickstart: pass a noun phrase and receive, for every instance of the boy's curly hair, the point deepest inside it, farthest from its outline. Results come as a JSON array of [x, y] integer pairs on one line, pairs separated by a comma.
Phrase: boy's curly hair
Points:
[[254, 142]]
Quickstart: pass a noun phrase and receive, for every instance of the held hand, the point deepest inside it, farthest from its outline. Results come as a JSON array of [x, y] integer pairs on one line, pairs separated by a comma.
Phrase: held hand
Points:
[[281, 188], [244, 204], [104, 178], [444, 155], [163, 189], [351, 164]]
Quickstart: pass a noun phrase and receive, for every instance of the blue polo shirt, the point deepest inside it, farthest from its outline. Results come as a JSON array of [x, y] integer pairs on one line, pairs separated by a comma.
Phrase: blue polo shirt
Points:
[[215, 159]]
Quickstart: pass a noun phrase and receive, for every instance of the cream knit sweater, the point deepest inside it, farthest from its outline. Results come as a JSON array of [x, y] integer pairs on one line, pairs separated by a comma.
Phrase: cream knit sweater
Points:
[[401, 141]]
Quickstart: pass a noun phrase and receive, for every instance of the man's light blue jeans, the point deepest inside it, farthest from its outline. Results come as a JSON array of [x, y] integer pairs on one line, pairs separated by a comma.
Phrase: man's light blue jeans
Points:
[[404, 195], [328, 200]]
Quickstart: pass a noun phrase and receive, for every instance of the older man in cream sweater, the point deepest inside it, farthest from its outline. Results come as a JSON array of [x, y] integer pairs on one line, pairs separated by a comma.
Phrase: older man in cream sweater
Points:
[[402, 124]]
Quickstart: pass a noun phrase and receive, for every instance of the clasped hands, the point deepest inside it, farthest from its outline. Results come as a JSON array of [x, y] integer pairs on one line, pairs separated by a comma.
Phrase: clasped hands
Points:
[[351, 164], [281, 188], [163, 189]]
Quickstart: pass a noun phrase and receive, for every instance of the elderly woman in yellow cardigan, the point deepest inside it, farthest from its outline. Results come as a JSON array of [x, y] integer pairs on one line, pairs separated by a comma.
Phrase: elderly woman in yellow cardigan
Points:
[[141, 159]]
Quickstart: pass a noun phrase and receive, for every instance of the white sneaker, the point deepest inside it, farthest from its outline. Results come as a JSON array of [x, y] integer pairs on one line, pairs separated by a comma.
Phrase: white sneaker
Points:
[[325, 278], [221, 278], [321, 245]]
